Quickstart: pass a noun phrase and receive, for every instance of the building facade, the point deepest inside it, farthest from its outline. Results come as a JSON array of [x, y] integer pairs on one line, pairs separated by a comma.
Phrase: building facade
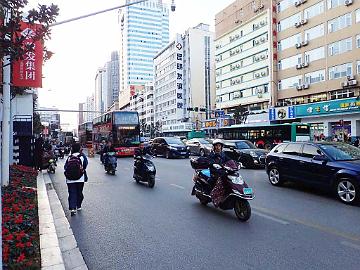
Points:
[[318, 65], [113, 79], [101, 91], [144, 32], [81, 113], [50, 119], [243, 57], [89, 107]]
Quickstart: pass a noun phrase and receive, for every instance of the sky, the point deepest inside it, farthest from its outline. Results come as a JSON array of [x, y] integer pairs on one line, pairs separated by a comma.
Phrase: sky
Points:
[[81, 47]]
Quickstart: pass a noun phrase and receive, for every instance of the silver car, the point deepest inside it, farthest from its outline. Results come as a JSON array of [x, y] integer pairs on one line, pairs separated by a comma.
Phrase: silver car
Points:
[[199, 146]]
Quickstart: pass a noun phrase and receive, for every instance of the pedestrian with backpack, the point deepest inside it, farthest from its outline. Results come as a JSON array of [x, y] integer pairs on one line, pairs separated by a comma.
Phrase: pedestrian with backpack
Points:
[[75, 173]]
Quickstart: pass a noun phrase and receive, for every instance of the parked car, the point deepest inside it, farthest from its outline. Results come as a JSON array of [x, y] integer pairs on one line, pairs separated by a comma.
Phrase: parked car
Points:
[[170, 147], [246, 153], [199, 146], [334, 166]]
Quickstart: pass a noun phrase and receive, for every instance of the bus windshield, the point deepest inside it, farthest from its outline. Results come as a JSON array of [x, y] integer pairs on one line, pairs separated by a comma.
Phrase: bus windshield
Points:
[[127, 136]]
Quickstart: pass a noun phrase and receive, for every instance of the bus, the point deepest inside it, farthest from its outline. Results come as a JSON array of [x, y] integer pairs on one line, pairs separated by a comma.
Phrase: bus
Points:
[[266, 136], [85, 134], [122, 128]]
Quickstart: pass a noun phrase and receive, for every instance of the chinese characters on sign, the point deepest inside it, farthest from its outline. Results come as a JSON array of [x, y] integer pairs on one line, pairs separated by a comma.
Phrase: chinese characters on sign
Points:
[[28, 72]]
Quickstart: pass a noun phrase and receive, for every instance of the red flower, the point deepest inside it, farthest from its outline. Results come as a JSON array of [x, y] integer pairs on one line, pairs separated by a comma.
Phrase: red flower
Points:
[[20, 245], [9, 237], [19, 219], [28, 244], [21, 258]]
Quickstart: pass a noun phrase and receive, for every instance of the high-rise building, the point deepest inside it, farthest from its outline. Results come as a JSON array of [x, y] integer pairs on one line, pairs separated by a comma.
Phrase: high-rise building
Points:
[[318, 65], [243, 56], [50, 118], [113, 79], [81, 113], [185, 79], [101, 91], [144, 32], [89, 108]]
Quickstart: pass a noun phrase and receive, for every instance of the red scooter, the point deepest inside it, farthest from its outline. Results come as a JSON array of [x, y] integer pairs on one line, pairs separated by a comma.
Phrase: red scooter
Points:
[[230, 190]]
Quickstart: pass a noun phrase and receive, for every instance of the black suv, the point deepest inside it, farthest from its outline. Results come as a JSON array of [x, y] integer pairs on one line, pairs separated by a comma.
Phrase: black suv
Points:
[[246, 153], [333, 166], [170, 147]]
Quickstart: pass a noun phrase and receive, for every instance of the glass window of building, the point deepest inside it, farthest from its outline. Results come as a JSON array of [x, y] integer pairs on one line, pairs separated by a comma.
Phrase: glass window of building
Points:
[[340, 71], [282, 5], [290, 62], [314, 10], [345, 93], [315, 54], [357, 15], [358, 67], [315, 77], [340, 47], [335, 3], [339, 23], [291, 82], [358, 41], [315, 32], [289, 42], [289, 22]]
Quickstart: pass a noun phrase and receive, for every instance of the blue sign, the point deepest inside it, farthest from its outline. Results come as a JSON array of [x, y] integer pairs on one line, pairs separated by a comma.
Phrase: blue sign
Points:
[[291, 112], [282, 113], [272, 114], [328, 107], [219, 114]]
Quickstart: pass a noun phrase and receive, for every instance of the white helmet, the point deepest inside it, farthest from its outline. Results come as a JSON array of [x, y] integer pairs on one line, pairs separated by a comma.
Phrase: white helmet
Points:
[[218, 141]]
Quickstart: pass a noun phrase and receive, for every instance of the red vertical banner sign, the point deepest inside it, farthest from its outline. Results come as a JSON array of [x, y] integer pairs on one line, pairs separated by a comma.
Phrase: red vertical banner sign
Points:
[[28, 72]]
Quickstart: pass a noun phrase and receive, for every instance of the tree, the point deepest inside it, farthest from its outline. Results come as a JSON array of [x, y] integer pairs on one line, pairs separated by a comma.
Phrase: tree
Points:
[[240, 115]]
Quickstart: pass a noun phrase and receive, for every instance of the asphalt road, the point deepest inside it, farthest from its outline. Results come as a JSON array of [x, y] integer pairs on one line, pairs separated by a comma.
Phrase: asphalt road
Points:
[[124, 225]]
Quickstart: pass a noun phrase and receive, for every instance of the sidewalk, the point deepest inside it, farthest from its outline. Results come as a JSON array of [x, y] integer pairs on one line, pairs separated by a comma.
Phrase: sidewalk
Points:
[[59, 250]]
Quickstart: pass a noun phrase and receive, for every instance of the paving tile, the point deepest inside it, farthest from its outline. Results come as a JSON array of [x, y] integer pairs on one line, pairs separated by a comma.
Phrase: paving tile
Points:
[[73, 259], [54, 267], [63, 231], [67, 243], [48, 241], [51, 256], [82, 267], [46, 228]]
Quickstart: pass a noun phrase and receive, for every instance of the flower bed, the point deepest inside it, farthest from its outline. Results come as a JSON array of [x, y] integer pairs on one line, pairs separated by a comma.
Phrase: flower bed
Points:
[[21, 242]]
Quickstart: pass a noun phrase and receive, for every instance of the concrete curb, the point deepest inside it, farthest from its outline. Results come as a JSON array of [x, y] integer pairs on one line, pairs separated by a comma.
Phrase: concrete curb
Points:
[[73, 259]]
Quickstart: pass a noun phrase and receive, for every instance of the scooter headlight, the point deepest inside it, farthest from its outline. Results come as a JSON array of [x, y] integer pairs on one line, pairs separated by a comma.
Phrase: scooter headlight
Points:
[[151, 168], [236, 179]]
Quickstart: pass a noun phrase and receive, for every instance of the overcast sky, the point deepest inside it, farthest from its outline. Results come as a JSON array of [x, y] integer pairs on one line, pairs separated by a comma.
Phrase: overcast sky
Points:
[[83, 46]]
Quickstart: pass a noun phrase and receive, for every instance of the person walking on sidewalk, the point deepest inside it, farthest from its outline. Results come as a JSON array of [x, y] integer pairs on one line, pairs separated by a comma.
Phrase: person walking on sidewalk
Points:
[[75, 173]]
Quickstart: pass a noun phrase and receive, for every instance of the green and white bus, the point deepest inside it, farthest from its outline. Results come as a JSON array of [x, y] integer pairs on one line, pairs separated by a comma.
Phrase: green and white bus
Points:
[[266, 136]]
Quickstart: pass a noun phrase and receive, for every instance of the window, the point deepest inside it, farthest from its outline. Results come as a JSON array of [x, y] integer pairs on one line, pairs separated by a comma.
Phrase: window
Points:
[[339, 23], [357, 16], [340, 46], [281, 6], [290, 62], [335, 3], [315, 32], [358, 41], [342, 94], [316, 54], [310, 151], [339, 71], [289, 22], [315, 77], [280, 148], [293, 149], [289, 42], [314, 10], [358, 67], [291, 82]]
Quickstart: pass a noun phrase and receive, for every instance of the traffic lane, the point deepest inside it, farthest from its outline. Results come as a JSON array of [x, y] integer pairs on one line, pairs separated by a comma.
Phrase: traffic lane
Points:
[[296, 202], [140, 228]]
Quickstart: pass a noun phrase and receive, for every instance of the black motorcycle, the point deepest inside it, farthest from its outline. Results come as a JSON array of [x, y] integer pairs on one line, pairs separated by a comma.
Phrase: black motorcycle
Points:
[[236, 193], [110, 164], [144, 169]]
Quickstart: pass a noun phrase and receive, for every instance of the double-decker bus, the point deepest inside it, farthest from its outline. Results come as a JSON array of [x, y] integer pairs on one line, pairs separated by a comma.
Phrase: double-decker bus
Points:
[[85, 134], [122, 128], [266, 136]]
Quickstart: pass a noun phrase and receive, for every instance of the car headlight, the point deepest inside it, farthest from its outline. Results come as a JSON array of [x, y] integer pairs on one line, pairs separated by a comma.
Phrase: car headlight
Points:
[[253, 154], [236, 179], [172, 148]]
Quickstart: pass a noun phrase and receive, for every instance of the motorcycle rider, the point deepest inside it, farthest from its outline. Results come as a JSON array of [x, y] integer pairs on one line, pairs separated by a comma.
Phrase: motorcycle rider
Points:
[[217, 156], [108, 148]]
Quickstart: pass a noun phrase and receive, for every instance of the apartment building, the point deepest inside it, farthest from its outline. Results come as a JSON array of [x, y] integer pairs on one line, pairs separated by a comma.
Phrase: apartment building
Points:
[[318, 65], [243, 56]]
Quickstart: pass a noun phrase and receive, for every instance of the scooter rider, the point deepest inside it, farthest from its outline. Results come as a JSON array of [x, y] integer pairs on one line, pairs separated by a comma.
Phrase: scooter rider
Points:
[[217, 156], [108, 148]]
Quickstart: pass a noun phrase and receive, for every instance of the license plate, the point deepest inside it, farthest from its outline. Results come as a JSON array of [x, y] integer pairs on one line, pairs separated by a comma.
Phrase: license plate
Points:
[[247, 191], [183, 153]]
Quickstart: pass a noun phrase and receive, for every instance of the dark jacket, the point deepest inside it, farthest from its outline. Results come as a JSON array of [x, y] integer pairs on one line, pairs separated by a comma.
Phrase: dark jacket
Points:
[[218, 158], [108, 149]]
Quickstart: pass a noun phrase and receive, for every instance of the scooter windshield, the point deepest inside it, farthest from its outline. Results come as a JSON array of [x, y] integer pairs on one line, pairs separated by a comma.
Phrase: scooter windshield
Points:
[[231, 165]]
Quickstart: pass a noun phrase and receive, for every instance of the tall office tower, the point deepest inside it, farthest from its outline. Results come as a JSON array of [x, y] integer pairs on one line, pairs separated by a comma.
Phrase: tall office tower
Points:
[[144, 32], [113, 79]]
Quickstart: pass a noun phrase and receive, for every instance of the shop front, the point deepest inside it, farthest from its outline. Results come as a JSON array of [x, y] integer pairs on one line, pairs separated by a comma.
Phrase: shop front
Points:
[[212, 126], [333, 120]]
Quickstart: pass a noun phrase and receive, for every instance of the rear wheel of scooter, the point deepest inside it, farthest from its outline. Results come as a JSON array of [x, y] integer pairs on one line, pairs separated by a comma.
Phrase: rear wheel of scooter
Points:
[[242, 210], [151, 183], [113, 172]]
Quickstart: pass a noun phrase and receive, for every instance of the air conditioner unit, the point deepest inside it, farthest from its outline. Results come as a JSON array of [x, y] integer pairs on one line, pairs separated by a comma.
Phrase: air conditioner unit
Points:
[[262, 39], [256, 58], [256, 42], [298, 66], [262, 23], [263, 56], [305, 86], [352, 82], [238, 66], [238, 81], [348, 2], [304, 21], [297, 24], [257, 75], [344, 84], [237, 36], [350, 78], [297, 3], [236, 95], [305, 64], [263, 73], [299, 87], [305, 42], [237, 50], [261, 6], [298, 45]]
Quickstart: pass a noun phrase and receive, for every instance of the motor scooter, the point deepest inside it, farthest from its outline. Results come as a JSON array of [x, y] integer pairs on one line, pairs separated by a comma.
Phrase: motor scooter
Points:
[[110, 162], [144, 169], [236, 192], [52, 166]]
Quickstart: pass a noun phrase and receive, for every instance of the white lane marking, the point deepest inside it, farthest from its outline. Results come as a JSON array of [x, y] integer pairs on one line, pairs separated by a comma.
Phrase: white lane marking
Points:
[[177, 186], [351, 245], [283, 222]]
